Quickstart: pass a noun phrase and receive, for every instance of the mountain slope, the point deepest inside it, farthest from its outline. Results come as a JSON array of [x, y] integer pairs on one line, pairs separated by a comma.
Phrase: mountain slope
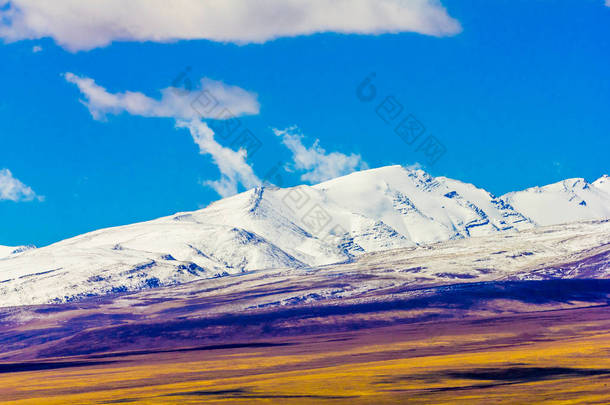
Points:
[[566, 201], [541, 269], [264, 228], [5, 251]]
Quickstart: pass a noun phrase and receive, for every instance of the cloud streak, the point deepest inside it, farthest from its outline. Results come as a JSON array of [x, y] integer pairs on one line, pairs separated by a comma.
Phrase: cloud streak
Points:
[[82, 25], [318, 164], [210, 101], [11, 189], [174, 103], [233, 166]]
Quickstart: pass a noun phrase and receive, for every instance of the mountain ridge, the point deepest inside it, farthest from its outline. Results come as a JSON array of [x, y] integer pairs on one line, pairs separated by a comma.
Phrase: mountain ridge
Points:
[[299, 227]]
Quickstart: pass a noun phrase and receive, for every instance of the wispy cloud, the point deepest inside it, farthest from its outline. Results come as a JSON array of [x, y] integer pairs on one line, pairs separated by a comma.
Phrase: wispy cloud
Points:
[[174, 103], [318, 164], [233, 166], [11, 189], [178, 104], [82, 25]]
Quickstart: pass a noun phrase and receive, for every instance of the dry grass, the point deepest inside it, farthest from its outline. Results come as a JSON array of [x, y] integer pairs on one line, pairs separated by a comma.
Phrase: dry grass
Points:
[[562, 359]]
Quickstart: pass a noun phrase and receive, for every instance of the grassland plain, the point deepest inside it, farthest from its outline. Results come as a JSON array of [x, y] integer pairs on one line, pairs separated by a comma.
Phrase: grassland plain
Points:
[[536, 357]]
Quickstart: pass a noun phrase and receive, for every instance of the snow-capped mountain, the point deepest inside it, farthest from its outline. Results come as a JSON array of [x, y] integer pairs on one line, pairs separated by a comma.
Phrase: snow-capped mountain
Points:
[[6, 251], [335, 221], [567, 201]]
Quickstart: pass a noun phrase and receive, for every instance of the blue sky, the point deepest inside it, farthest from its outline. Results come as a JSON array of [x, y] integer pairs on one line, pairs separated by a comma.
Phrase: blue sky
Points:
[[517, 93]]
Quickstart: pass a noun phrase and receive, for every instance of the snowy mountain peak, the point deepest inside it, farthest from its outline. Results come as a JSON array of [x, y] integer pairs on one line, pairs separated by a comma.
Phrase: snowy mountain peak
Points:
[[335, 221], [574, 184], [603, 183], [6, 251], [369, 175], [565, 201]]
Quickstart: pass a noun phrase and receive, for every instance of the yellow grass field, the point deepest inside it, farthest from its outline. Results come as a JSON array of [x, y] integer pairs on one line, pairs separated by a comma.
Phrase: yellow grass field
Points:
[[554, 357]]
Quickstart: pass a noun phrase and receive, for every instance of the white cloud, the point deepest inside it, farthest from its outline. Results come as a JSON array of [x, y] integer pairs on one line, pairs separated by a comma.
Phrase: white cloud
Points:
[[36, 49], [212, 100], [318, 164], [206, 102], [12, 189], [82, 25], [608, 3], [233, 166]]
